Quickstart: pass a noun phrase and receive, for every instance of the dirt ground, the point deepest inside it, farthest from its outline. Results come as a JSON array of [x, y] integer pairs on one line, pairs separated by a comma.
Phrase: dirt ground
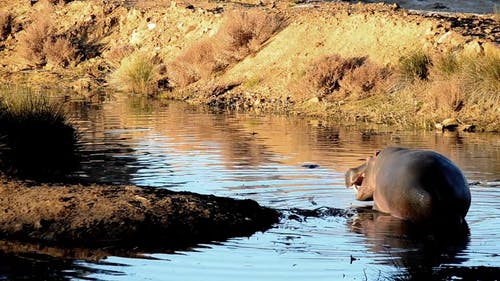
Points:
[[123, 217]]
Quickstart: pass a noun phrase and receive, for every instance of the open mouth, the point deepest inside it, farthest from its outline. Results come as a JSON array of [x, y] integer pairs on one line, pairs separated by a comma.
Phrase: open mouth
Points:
[[356, 184]]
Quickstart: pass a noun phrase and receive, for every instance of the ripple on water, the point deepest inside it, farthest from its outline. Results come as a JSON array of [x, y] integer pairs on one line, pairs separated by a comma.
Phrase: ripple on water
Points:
[[261, 158]]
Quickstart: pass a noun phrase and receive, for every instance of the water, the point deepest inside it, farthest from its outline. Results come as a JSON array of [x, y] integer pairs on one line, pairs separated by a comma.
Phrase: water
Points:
[[462, 6], [266, 158]]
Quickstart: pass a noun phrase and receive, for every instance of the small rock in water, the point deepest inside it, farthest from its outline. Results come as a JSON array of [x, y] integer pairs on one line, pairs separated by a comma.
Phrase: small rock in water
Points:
[[310, 166]]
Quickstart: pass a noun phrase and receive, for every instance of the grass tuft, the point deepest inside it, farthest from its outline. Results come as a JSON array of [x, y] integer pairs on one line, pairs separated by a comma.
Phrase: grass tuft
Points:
[[414, 66], [481, 78], [137, 74], [36, 139]]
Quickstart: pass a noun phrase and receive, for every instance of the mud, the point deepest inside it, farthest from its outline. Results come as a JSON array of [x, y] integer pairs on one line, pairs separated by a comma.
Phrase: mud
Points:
[[123, 217]]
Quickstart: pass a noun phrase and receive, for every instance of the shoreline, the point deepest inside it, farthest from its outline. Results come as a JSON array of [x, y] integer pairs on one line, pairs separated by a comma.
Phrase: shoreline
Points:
[[274, 74]]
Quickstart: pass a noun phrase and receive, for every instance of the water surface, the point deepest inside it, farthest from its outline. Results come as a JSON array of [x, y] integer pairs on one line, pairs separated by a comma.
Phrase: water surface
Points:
[[268, 159]]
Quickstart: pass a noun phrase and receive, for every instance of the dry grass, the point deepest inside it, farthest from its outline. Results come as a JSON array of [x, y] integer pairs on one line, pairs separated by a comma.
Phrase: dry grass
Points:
[[324, 77], [481, 79], [59, 52], [118, 53], [39, 141], [414, 66], [5, 24], [242, 33], [137, 74], [31, 42], [365, 81]]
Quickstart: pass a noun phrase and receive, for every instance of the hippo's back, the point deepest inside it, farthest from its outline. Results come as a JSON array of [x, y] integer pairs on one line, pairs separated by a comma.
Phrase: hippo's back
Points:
[[420, 185]]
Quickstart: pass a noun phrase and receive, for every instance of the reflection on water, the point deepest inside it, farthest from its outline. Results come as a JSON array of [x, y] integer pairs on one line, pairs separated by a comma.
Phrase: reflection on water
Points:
[[290, 163]]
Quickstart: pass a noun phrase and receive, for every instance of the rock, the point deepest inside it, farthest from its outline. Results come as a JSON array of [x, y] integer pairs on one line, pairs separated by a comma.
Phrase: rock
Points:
[[467, 128], [448, 124], [451, 38], [473, 48]]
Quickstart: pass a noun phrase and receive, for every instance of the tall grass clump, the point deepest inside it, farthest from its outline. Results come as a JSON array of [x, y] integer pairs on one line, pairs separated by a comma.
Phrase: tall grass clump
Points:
[[414, 66], [447, 64], [481, 79], [137, 74], [242, 33], [36, 139]]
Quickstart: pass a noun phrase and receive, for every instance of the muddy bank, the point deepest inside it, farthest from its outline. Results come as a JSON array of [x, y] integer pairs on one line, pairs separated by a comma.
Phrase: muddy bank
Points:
[[123, 217]]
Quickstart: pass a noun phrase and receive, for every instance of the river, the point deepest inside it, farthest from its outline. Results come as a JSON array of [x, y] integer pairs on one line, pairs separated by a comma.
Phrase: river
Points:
[[289, 163], [461, 6]]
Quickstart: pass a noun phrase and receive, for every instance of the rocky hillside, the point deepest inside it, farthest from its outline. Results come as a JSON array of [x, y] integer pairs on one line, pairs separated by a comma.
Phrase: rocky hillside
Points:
[[352, 62]]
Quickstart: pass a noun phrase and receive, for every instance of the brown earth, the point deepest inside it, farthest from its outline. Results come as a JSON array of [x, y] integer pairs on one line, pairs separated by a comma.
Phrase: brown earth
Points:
[[122, 217]]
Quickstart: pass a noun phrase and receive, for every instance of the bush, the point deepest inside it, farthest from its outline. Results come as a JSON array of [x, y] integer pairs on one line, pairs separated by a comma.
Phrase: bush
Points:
[[118, 53], [31, 42], [242, 33], [39, 44], [365, 81], [36, 140], [137, 74], [414, 66], [326, 73], [59, 51]]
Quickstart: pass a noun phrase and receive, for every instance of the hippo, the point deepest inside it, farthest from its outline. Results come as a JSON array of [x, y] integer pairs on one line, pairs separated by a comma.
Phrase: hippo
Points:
[[412, 184]]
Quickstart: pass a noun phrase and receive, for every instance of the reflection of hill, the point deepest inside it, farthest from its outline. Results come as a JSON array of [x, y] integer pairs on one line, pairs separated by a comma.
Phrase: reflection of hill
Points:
[[252, 140]]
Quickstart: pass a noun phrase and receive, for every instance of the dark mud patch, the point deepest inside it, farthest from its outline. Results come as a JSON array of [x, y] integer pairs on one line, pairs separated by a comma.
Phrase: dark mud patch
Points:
[[123, 217]]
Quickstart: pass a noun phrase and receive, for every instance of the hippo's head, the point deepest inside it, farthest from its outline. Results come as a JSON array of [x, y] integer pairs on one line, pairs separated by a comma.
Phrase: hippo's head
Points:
[[360, 178]]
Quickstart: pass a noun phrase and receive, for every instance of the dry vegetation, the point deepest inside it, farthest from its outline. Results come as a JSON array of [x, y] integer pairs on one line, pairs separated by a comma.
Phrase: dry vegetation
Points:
[[40, 44], [335, 78], [185, 52], [242, 33], [137, 74]]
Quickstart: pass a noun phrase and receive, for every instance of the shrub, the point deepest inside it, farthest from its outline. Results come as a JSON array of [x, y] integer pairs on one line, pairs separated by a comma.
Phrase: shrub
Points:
[[137, 74], [324, 76], [364, 81], [414, 66], [199, 61], [36, 139], [5, 24], [242, 33], [59, 51], [31, 42]]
